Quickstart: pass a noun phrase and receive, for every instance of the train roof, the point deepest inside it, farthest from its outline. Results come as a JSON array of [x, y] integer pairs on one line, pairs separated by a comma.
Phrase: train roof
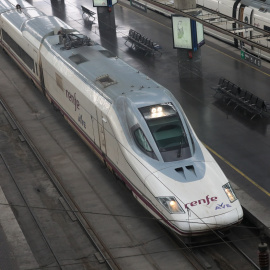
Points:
[[36, 29], [32, 23], [5, 6], [21, 7], [18, 17], [22, 3], [107, 74]]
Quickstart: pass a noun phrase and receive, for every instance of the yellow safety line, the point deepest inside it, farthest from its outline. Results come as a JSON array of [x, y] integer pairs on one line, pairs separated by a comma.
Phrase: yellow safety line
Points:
[[239, 60], [237, 170]]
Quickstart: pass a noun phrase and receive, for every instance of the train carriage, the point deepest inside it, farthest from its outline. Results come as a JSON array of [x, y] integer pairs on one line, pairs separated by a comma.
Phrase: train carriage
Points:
[[134, 125], [253, 12]]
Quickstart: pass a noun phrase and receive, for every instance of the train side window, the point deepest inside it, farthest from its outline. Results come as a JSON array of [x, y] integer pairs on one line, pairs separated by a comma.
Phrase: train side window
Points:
[[141, 140], [18, 50], [27, 59], [13, 45], [143, 143]]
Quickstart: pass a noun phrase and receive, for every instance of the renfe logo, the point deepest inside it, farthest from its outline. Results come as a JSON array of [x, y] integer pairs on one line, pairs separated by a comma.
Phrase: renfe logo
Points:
[[202, 201], [72, 99]]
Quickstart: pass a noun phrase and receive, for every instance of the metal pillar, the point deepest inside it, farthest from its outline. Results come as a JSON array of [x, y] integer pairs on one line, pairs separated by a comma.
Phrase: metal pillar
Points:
[[189, 67], [107, 28]]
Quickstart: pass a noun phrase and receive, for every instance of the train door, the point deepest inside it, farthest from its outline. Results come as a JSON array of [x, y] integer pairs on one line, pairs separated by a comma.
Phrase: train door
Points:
[[41, 78], [241, 17], [35, 57], [246, 16], [236, 15], [101, 130], [94, 119]]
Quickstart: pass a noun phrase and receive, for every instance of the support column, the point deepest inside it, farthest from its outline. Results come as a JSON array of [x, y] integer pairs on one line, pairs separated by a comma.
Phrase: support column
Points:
[[107, 28], [189, 62], [189, 67], [106, 18]]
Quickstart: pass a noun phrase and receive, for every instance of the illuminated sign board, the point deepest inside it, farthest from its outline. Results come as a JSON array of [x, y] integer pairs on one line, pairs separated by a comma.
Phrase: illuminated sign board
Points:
[[187, 33], [104, 3], [181, 32]]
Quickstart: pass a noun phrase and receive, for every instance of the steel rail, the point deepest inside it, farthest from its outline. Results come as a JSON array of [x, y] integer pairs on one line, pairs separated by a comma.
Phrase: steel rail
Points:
[[233, 244], [30, 210]]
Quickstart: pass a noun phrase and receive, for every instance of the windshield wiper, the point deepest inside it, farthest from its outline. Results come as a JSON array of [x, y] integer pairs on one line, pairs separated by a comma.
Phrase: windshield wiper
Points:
[[179, 152]]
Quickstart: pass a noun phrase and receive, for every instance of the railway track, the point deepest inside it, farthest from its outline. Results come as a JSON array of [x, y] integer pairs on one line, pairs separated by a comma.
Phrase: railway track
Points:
[[70, 206], [236, 250]]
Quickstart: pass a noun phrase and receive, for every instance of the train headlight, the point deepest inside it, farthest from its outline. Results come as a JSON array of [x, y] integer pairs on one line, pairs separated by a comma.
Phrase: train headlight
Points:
[[171, 204], [229, 192], [157, 112]]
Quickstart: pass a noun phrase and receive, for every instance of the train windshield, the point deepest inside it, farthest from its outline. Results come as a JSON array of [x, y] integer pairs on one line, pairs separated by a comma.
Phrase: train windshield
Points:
[[167, 130]]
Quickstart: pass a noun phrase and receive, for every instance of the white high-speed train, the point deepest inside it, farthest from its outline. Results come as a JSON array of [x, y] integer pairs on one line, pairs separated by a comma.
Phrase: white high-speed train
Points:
[[254, 12], [132, 123]]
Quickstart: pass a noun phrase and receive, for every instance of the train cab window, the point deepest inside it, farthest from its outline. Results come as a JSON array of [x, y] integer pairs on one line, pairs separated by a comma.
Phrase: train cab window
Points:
[[167, 130]]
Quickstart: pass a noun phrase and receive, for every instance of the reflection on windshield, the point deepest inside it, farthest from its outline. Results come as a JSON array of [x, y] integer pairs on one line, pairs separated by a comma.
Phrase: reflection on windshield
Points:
[[167, 130]]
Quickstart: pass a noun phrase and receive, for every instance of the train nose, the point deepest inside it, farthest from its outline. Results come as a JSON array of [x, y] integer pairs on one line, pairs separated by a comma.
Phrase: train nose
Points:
[[197, 225]]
